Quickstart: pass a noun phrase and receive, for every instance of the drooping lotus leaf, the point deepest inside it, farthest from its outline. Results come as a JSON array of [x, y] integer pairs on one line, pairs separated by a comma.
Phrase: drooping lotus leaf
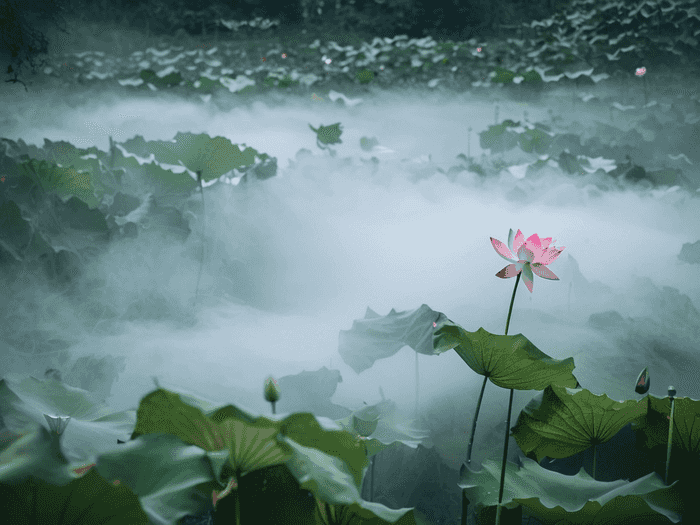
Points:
[[654, 424], [37, 487], [364, 427], [327, 478], [389, 428], [509, 361], [24, 402], [171, 478], [376, 337], [368, 513], [305, 430], [251, 444], [552, 497], [561, 422], [311, 391]]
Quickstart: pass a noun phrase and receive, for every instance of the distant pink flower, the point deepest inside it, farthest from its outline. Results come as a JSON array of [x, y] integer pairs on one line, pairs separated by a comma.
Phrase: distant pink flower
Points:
[[531, 255]]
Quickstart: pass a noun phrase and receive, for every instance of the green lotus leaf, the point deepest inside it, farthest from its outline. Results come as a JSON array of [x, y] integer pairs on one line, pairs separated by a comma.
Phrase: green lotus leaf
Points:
[[251, 444], [534, 139], [328, 134], [36, 486], [561, 422], [305, 430], [503, 76], [552, 497], [376, 337], [509, 361], [330, 481], [654, 424]]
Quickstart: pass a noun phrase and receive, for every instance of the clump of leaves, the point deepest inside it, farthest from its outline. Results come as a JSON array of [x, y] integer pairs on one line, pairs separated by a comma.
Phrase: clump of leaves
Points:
[[327, 135], [365, 76]]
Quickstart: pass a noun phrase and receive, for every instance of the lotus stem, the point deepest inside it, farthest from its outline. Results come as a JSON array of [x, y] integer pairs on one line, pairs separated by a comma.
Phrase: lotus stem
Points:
[[595, 454], [201, 260], [237, 502], [476, 415], [465, 500], [111, 153], [496, 115], [505, 457], [371, 477], [510, 408], [671, 395], [469, 140], [416, 385]]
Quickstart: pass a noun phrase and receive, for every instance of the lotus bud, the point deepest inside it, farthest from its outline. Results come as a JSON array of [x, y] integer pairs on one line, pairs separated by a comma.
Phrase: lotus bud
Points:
[[272, 392], [643, 382]]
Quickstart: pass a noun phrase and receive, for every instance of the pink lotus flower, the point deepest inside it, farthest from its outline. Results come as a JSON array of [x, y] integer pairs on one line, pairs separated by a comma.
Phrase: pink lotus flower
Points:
[[533, 255]]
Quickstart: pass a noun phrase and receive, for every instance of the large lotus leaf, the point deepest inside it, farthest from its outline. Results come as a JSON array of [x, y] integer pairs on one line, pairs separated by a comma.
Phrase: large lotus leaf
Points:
[[552, 497], [509, 361], [390, 428], [364, 427], [66, 155], [63, 153], [368, 514], [64, 182], [251, 445], [73, 226], [33, 452], [36, 487], [330, 481], [17, 236], [153, 178], [376, 337], [497, 138], [305, 430], [172, 479], [561, 422], [92, 428], [686, 422], [210, 408], [212, 156], [534, 139], [311, 391]]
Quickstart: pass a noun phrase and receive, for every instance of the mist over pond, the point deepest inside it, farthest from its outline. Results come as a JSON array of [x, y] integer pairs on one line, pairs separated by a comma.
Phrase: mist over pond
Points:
[[290, 261]]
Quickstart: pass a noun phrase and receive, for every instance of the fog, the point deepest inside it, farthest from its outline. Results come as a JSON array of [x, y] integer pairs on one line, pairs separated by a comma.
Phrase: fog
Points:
[[321, 242]]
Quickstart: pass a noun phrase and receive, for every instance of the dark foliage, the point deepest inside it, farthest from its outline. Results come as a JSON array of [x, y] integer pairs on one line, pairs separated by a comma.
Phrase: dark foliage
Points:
[[23, 28]]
